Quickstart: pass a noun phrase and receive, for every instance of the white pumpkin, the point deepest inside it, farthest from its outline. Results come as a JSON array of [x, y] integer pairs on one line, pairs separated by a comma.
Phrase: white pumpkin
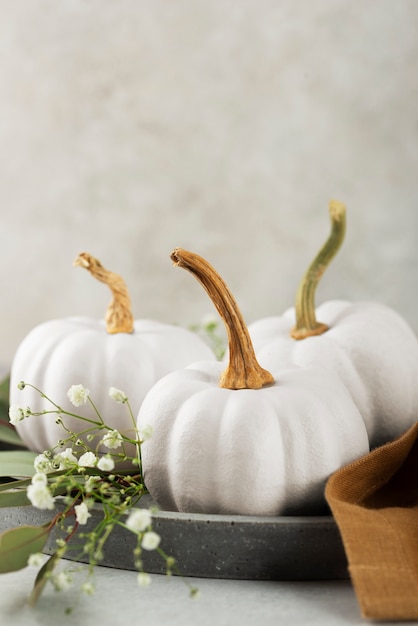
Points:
[[126, 354], [263, 451], [368, 345], [245, 441]]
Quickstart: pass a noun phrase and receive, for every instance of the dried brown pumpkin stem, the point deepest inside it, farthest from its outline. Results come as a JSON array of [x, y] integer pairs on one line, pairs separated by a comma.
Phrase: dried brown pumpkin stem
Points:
[[306, 322], [243, 370], [119, 318]]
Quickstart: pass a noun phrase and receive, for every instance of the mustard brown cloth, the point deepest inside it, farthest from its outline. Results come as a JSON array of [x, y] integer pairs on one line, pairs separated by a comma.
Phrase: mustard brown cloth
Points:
[[374, 501]]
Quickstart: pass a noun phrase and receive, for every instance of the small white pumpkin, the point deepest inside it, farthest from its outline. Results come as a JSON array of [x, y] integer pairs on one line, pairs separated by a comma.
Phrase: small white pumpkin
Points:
[[245, 442], [368, 345], [123, 353]]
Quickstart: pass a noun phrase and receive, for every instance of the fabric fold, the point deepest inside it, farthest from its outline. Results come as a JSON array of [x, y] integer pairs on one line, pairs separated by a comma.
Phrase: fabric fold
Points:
[[374, 501]]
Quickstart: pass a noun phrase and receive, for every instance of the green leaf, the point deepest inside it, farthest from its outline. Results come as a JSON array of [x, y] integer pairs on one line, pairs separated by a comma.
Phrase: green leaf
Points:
[[42, 578], [17, 463], [9, 435], [13, 492], [13, 498], [17, 544], [8, 484], [4, 391]]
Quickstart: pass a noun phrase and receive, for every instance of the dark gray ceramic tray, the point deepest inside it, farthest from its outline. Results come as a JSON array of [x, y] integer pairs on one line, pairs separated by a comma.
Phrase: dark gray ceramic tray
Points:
[[219, 546]]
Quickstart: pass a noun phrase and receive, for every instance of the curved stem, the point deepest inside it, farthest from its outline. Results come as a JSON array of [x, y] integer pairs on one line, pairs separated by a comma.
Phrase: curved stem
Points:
[[243, 370], [119, 318], [306, 322]]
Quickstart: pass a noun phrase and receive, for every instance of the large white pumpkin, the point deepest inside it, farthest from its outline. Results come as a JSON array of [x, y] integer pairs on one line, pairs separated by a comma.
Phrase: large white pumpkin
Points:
[[79, 350], [262, 451], [244, 440], [369, 345]]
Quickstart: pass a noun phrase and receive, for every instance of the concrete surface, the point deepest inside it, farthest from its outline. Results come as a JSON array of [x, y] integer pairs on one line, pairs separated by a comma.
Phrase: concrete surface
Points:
[[119, 600]]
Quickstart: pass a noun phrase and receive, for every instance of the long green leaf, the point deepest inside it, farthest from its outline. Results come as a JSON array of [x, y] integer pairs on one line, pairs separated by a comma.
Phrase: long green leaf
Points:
[[9, 435], [8, 484], [17, 544], [17, 463], [42, 578], [4, 391], [13, 498]]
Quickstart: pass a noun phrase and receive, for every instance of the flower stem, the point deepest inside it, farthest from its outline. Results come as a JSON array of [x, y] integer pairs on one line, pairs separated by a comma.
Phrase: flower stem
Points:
[[137, 442], [306, 322], [119, 318], [243, 370]]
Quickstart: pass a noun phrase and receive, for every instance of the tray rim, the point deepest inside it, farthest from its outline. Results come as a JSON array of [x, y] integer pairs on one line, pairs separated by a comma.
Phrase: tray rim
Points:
[[217, 546]]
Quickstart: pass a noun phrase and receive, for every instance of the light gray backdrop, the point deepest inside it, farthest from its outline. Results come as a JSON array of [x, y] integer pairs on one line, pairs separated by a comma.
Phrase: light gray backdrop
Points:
[[129, 128]]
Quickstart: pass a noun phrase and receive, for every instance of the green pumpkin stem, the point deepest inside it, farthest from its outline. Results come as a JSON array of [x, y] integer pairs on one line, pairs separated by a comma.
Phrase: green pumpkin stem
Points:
[[119, 318], [243, 370], [306, 322]]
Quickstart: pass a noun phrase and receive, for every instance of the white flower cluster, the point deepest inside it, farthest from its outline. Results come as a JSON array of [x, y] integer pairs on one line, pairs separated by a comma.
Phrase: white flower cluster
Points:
[[78, 395], [145, 432], [82, 512], [17, 414], [118, 395], [70, 467], [62, 581], [112, 440], [66, 460], [38, 492], [139, 521], [41, 497]]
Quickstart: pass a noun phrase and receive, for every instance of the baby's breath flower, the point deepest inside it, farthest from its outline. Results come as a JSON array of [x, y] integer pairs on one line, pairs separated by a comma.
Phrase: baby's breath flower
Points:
[[82, 513], [88, 459], [112, 440], [143, 579], [139, 520], [17, 414], [91, 482], [36, 559], [150, 540], [62, 581], [119, 495], [118, 395], [42, 463], [66, 458], [39, 479], [21, 385], [145, 432], [40, 496], [106, 463], [88, 588], [78, 395]]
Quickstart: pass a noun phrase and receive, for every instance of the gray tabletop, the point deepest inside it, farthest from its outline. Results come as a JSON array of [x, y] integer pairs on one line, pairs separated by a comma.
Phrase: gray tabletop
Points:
[[119, 600]]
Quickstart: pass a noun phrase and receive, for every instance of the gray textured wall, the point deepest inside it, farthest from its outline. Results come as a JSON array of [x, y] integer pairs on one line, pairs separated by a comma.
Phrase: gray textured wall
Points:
[[129, 128]]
